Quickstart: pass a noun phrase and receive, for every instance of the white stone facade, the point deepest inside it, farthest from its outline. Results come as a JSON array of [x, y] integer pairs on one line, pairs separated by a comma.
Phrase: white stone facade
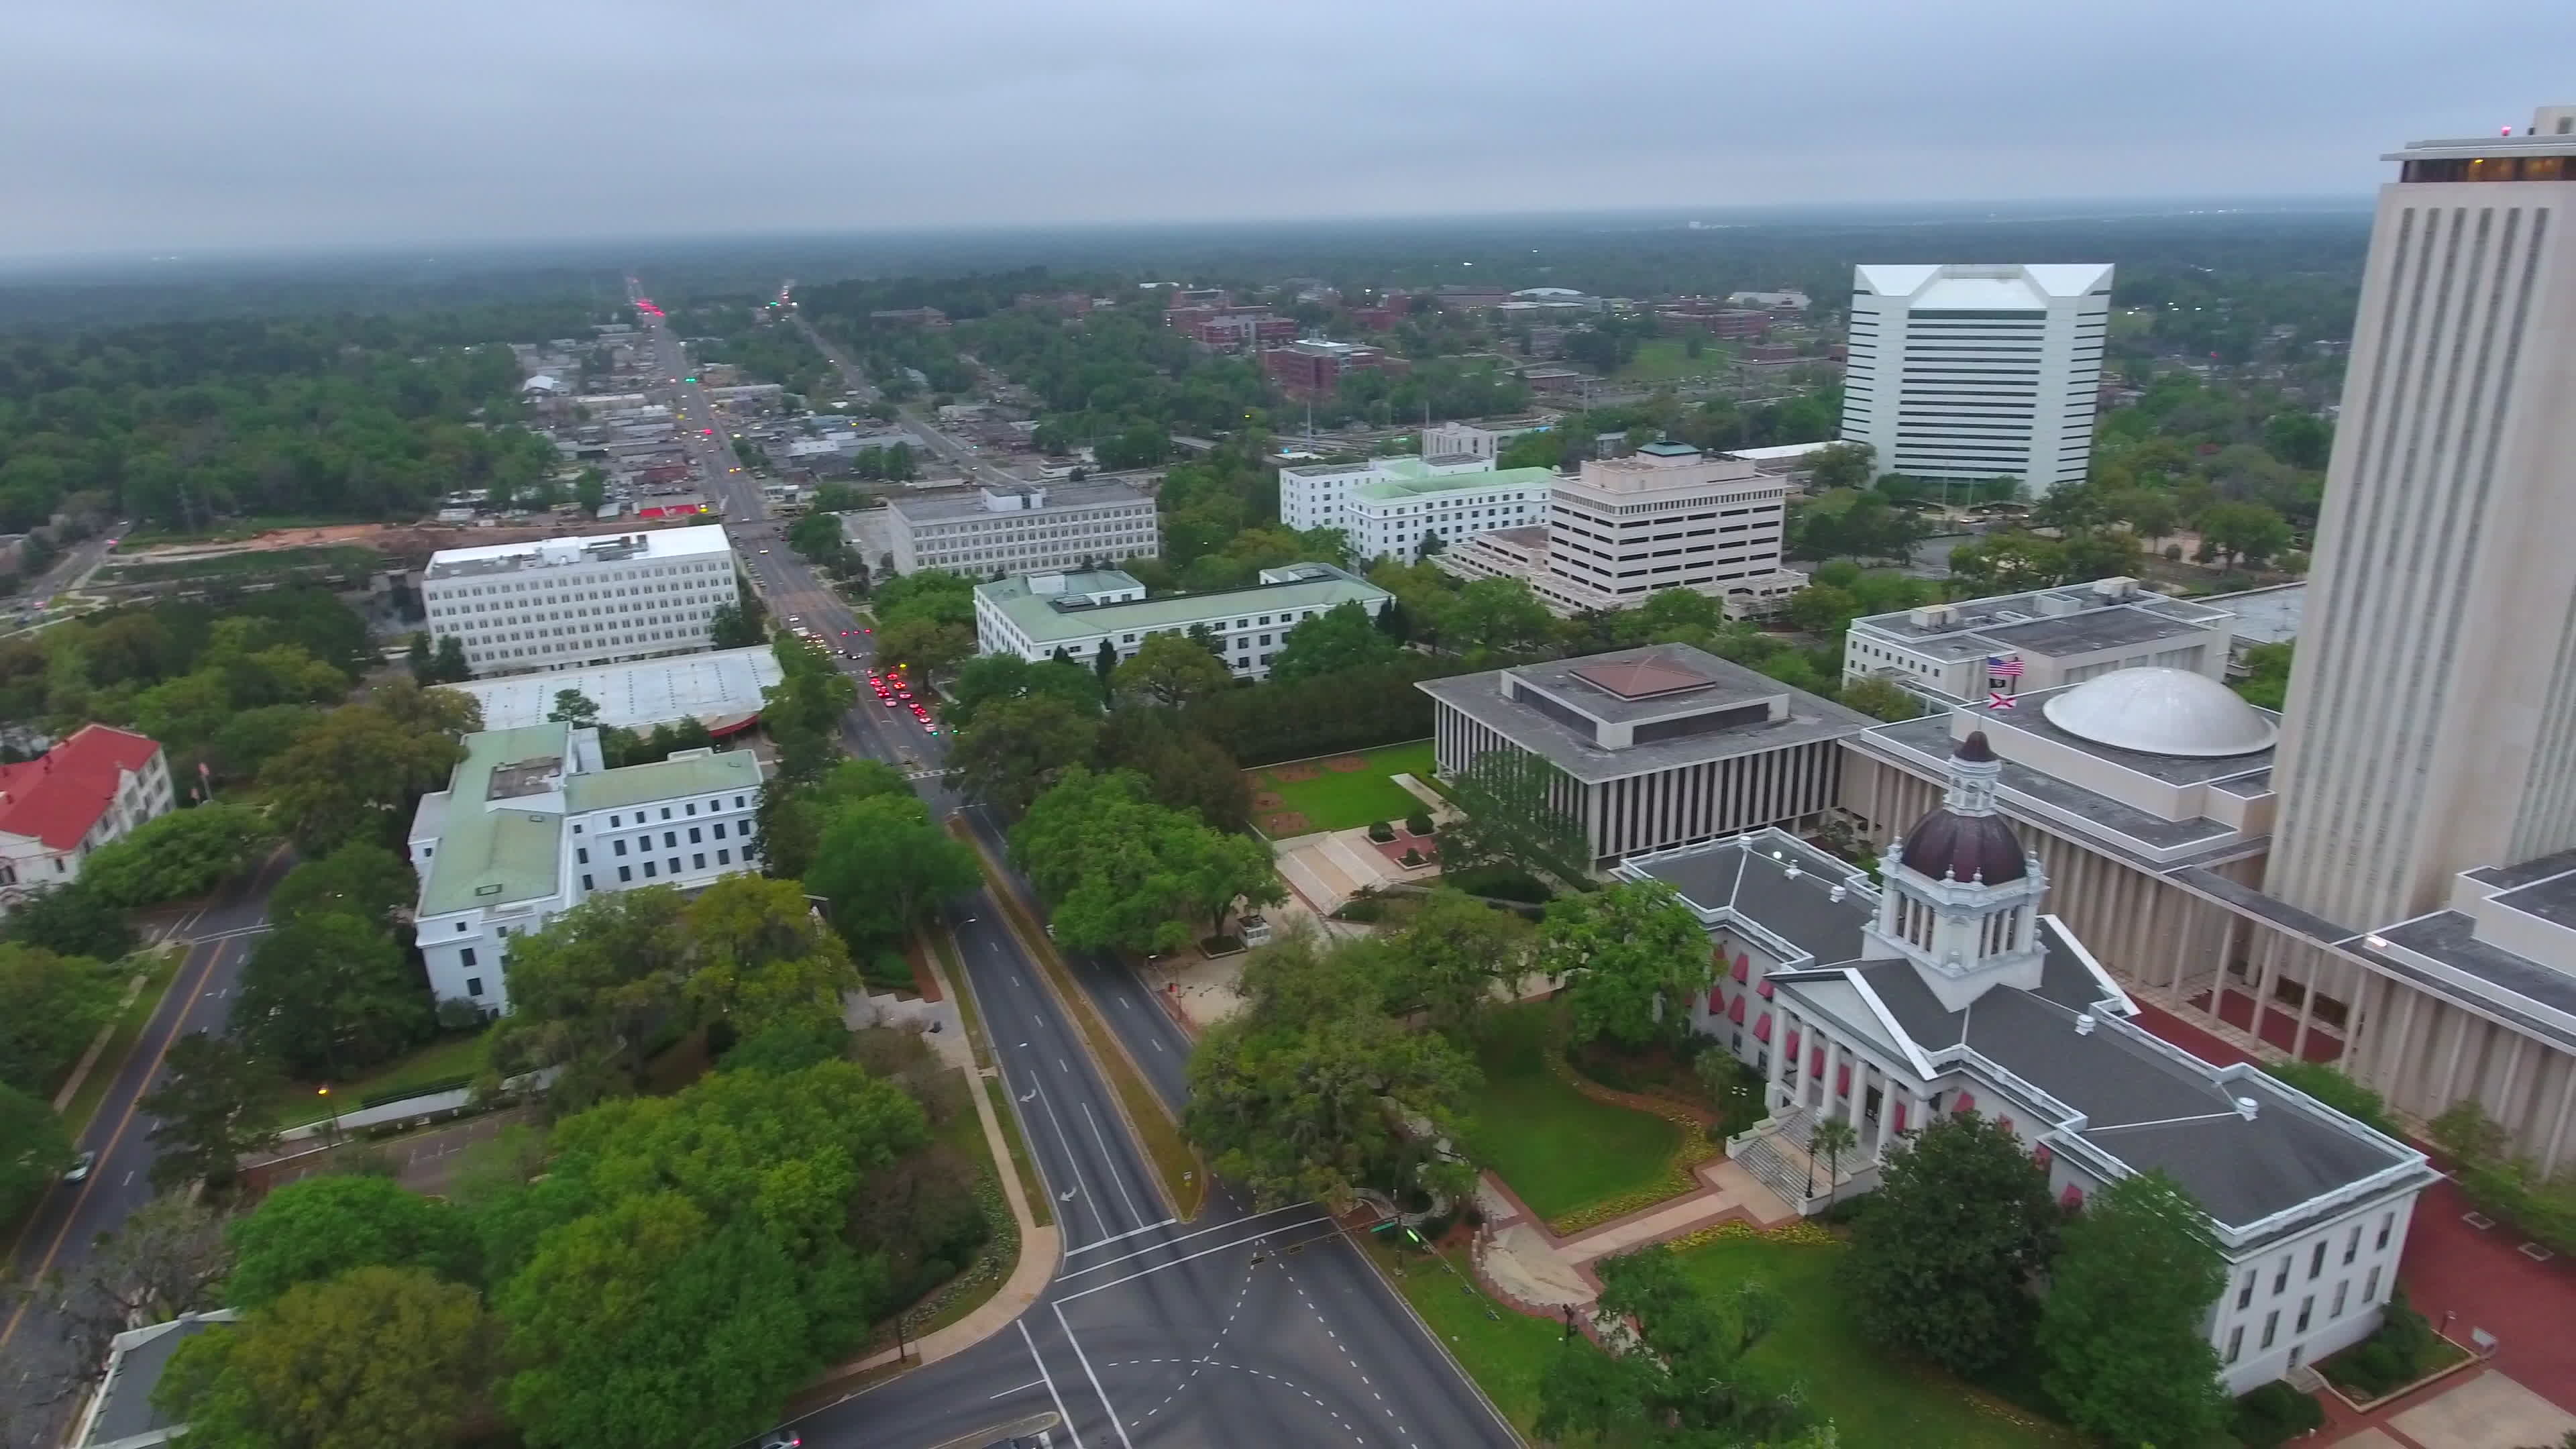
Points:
[[563, 603]]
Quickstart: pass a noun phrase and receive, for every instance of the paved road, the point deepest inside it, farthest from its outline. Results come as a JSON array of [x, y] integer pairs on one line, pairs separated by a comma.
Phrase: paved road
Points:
[[72, 1216], [1236, 1328]]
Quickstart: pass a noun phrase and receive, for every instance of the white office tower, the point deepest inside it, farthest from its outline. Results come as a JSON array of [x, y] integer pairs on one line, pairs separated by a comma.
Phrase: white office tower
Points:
[[2431, 725], [1977, 371], [564, 603]]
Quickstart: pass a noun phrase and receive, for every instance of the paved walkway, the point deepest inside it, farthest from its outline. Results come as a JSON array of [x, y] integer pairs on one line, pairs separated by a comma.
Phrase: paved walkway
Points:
[[1040, 1247], [2481, 1410], [1541, 1271]]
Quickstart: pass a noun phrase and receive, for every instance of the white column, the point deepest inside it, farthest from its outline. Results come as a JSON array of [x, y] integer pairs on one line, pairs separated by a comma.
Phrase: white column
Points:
[[1833, 1069]]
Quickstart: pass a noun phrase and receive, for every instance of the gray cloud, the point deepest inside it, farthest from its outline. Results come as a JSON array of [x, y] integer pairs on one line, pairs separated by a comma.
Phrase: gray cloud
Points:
[[173, 124]]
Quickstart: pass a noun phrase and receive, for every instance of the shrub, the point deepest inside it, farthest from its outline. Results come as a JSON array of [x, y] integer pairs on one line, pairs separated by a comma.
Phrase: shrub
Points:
[[1361, 909], [1419, 822], [2398, 1353], [1502, 883], [2273, 1415], [1412, 856], [2339, 1092], [1381, 832]]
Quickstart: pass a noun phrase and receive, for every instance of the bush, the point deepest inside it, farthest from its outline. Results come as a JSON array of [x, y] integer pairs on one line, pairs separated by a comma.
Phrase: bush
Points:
[[1362, 909], [1419, 822], [2273, 1415], [1502, 883], [887, 971], [1381, 832], [1412, 856], [2338, 1091], [2395, 1355]]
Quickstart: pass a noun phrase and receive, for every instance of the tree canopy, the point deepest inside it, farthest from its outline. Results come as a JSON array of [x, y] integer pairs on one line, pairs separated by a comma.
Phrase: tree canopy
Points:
[[2120, 1332], [1635, 957], [1683, 1379], [1941, 1262], [177, 856], [1119, 870], [314, 1230]]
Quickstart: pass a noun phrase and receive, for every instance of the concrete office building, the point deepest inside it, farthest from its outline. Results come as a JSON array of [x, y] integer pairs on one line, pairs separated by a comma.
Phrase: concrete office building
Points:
[[1478, 440], [532, 823], [1946, 987], [2037, 640], [1388, 506], [1666, 516], [1035, 615], [1654, 747], [564, 603], [1031, 528], [1977, 371]]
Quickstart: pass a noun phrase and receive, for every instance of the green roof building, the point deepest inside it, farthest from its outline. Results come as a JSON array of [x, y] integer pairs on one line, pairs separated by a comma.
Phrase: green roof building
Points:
[[1035, 615]]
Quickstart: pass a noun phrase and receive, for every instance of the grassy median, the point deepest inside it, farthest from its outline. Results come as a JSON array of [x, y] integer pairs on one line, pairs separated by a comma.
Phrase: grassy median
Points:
[[1184, 1177]]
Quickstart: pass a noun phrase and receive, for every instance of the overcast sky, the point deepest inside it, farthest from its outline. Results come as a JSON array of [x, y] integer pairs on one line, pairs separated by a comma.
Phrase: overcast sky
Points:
[[164, 125]]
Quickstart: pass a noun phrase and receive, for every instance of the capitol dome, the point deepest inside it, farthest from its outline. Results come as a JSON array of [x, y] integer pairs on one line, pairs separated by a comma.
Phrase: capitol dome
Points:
[[2158, 711]]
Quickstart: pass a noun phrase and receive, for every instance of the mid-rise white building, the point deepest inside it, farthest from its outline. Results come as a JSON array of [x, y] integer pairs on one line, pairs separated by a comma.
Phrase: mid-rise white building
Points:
[[533, 823], [1035, 615], [1033, 528], [1477, 440], [1387, 507], [1667, 516], [566, 603], [1977, 371]]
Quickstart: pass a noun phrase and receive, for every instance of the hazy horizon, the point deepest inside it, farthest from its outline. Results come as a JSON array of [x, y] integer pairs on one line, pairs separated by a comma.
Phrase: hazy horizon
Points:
[[155, 127]]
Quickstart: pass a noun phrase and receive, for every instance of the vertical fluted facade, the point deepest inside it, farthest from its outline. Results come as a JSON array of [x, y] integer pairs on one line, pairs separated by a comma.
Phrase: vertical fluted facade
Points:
[[2431, 725]]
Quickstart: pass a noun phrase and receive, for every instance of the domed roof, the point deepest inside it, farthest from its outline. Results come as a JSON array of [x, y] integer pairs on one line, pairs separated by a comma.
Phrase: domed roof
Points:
[[2160, 711], [1968, 847]]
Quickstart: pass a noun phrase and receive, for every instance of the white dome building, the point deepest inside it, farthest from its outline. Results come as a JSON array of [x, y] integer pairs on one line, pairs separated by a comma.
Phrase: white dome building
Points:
[[2159, 711]]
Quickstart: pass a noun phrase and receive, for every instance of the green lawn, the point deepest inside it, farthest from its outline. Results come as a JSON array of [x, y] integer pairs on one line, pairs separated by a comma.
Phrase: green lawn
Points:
[[1663, 359], [1343, 800], [442, 1060], [1504, 1350], [1558, 1148], [1871, 1398]]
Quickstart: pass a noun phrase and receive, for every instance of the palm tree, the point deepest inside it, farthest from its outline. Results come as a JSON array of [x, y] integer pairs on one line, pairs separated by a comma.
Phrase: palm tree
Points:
[[1833, 1137]]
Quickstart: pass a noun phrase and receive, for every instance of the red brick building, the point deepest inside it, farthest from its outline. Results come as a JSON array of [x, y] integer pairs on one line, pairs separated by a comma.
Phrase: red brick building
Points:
[[1312, 368]]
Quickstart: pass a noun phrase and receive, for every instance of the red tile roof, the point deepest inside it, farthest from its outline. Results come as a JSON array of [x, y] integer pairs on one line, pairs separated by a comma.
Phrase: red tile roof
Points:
[[57, 798]]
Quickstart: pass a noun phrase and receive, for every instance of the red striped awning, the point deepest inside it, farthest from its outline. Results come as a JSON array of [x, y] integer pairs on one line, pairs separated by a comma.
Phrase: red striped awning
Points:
[[1716, 999], [1816, 1061], [2072, 1198], [1735, 1013], [2041, 1154], [1967, 1101], [1765, 988], [1792, 1045], [1743, 967], [1842, 1082], [1762, 1028]]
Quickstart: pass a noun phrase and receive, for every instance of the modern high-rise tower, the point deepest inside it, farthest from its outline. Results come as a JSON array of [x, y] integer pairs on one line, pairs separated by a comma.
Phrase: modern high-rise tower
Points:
[[1977, 371], [2431, 722]]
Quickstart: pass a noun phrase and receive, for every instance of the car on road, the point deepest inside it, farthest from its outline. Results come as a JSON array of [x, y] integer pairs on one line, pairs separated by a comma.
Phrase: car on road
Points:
[[79, 1170]]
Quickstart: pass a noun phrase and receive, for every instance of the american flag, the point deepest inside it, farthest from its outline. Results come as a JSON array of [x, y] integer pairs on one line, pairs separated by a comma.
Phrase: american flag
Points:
[[2004, 666], [2001, 701]]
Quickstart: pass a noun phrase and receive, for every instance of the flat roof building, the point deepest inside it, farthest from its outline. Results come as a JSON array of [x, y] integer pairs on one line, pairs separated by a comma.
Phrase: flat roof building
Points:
[[533, 823], [1666, 516], [719, 689], [565, 603], [1388, 507], [1653, 747], [1029, 528], [1035, 615], [2036, 640], [1478, 439]]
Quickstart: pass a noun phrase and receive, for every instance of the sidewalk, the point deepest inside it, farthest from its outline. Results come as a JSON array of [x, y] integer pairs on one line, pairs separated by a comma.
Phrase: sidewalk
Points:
[[1041, 1248], [1532, 1267]]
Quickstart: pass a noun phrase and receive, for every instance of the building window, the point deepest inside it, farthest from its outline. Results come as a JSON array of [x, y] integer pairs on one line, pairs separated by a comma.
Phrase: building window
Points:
[[2316, 1264], [473, 985], [465, 956], [2352, 1245], [2281, 1277], [724, 857], [698, 861], [648, 870], [719, 830], [2271, 1326], [581, 855], [693, 835], [2235, 1343], [2387, 1221], [619, 846], [626, 873], [2370, 1287], [2307, 1306], [2245, 1291], [586, 885], [2340, 1289]]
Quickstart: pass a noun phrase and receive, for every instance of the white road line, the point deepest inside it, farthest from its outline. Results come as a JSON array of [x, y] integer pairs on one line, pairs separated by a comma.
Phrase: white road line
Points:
[[1122, 1237], [1185, 1237], [1072, 1160], [1085, 1360], [1132, 1214], [1189, 1257], [1048, 1379], [1018, 1389]]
